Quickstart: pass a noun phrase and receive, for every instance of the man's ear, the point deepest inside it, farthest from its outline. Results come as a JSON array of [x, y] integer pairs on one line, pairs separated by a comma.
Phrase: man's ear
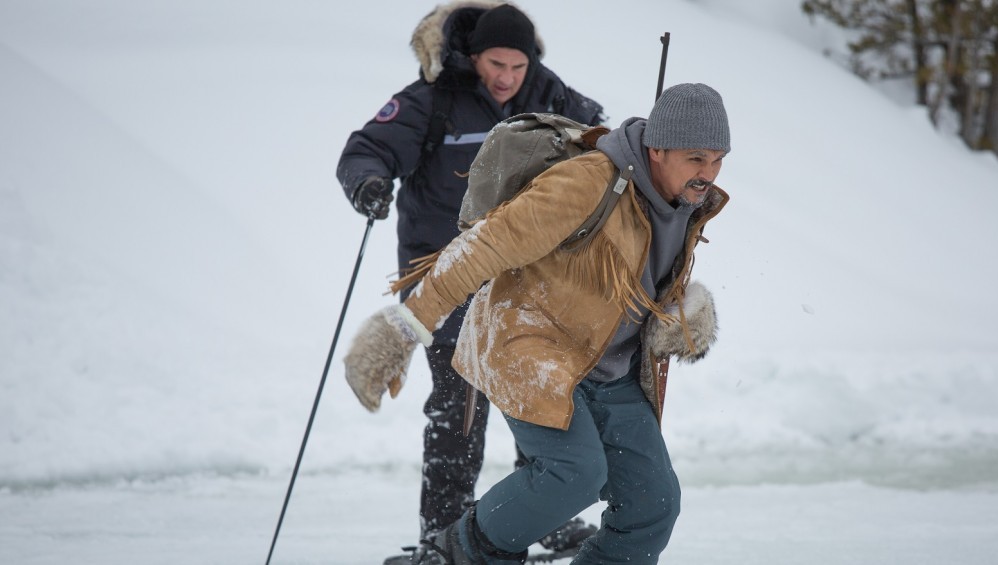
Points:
[[656, 155]]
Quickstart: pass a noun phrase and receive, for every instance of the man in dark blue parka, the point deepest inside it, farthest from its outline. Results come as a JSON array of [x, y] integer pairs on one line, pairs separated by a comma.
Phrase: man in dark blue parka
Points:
[[480, 63]]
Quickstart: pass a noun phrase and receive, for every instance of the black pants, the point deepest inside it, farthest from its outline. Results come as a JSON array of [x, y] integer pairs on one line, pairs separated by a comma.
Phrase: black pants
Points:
[[451, 461]]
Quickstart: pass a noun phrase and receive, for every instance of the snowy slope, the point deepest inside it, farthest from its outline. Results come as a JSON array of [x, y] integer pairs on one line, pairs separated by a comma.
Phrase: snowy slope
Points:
[[175, 250]]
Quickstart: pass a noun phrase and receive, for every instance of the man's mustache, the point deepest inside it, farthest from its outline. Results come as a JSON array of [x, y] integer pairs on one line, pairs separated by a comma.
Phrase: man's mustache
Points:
[[699, 184]]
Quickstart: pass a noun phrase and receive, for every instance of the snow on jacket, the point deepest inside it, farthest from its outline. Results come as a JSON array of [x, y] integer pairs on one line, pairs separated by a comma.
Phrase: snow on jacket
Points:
[[391, 144], [542, 317]]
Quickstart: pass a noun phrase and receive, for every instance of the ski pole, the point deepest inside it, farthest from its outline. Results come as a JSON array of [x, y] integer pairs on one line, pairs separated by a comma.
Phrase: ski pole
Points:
[[661, 69], [322, 383]]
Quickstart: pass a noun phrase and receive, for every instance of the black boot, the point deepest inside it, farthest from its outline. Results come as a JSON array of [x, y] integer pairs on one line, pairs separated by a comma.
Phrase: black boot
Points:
[[463, 543], [483, 548], [443, 548]]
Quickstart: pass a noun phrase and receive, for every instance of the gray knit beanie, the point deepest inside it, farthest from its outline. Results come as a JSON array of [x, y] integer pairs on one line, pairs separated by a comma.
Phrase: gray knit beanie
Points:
[[688, 116]]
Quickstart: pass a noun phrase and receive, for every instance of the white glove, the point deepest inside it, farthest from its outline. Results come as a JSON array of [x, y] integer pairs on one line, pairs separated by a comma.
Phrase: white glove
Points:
[[380, 353], [701, 322]]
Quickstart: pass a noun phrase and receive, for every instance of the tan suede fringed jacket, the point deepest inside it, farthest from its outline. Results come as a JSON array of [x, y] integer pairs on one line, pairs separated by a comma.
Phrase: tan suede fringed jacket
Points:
[[545, 316]]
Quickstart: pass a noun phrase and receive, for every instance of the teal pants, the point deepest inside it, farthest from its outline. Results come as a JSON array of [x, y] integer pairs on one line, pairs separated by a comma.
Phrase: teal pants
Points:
[[613, 451]]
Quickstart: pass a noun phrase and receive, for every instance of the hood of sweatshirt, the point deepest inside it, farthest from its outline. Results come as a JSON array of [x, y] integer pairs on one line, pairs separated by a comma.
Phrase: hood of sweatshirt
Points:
[[623, 146]]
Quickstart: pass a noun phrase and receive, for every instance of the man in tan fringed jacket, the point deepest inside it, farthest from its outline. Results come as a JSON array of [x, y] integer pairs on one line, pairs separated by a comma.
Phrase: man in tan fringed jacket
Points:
[[573, 346]]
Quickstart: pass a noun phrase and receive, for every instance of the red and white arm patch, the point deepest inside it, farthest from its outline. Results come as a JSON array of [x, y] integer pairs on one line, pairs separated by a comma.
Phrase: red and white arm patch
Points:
[[388, 112]]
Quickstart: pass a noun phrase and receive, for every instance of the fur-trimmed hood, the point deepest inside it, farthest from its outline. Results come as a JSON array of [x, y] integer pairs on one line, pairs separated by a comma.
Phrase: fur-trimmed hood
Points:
[[445, 30]]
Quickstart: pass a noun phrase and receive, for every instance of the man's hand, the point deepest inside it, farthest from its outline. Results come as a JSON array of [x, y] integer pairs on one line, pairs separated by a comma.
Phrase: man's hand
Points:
[[373, 197]]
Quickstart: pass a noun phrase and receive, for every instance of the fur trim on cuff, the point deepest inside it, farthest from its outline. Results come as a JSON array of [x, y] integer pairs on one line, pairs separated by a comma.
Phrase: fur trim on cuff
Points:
[[402, 314]]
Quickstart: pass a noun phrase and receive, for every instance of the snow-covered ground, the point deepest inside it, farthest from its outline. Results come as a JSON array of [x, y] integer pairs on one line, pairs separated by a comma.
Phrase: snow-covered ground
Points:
[[175, 252]]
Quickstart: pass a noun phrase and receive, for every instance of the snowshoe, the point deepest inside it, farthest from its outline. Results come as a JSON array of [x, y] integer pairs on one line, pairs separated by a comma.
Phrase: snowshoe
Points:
[[568, 537], [404, 559]]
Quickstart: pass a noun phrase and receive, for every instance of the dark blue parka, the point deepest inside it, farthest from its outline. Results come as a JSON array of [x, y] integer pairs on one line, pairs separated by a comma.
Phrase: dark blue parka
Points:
[[391, 144]]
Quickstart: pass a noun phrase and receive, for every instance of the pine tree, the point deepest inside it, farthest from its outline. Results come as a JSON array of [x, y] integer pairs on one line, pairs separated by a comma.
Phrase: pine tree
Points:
[[948, 48]]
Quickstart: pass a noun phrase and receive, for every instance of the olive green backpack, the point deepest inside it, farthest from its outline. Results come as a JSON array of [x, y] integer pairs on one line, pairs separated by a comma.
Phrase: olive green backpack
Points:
[[521, 147]]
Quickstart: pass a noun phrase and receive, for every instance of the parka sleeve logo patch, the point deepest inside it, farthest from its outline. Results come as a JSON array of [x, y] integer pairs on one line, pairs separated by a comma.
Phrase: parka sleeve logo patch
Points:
[[388, 112]]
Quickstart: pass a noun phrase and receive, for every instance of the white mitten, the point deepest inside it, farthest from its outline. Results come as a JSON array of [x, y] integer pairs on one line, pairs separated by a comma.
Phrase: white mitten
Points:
[[380, 353], [670, 340]]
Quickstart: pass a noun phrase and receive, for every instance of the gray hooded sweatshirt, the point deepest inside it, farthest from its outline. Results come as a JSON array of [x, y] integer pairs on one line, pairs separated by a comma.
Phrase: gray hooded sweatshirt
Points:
[[668, 231]]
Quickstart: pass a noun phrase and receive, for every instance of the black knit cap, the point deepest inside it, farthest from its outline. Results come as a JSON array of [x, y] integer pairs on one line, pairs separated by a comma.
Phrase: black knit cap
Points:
[[503, 26]]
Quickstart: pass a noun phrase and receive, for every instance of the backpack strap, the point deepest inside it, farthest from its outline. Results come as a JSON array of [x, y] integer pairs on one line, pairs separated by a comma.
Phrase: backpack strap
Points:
[[595, 221], [443, 99]]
